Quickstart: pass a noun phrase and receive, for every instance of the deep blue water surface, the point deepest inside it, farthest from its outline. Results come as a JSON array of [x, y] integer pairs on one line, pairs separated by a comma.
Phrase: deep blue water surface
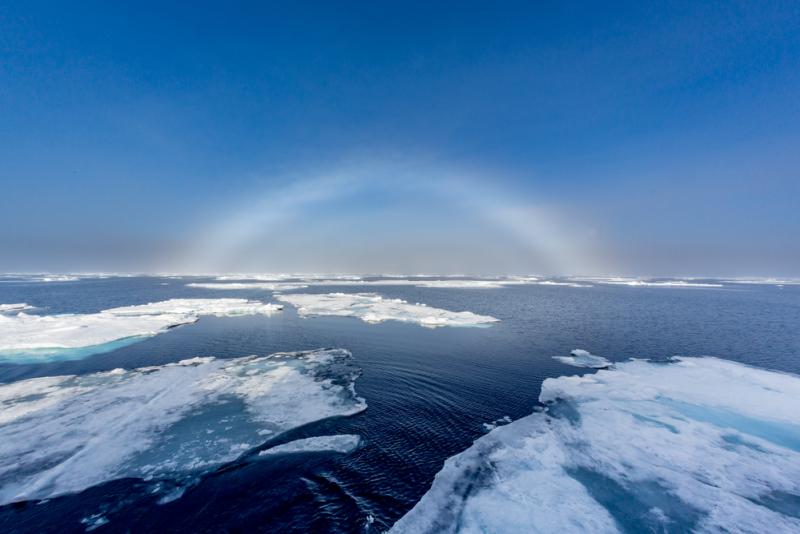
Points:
[[429, 391]]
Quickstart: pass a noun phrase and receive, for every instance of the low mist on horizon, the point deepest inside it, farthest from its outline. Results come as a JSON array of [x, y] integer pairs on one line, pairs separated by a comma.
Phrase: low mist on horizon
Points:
[[454, 138]]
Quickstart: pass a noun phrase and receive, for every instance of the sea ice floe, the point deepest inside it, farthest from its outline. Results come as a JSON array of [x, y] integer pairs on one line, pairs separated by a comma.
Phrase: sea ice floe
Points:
[[497, 422], [765, 281], [25, 337], [559, 283], [373, 308], [341, 443], [582, 358], [643, 282], [279, 283], [66, 433], [266, 286], [284, 276], [699, 444], [449, 283], [13, 308], [11, 277]]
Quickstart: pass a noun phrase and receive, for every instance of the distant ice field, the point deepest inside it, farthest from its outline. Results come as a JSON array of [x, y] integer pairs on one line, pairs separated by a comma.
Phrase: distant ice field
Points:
[[160, 433]]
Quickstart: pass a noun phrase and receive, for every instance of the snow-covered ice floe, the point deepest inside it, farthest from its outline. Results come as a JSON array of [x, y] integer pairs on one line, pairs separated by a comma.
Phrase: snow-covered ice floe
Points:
[[699, 444], [582, 358], [15, 308], [341, 443], [63, 434], [373, 308], [25, 337], [39, 278], [641, 282], [764, 281], [266, 286]]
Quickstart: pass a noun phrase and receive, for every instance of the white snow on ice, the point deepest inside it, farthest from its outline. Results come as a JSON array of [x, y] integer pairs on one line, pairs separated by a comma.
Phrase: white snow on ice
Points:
[[24, 332], [341, 443], [701, 444], [373, 308], [66, 433]]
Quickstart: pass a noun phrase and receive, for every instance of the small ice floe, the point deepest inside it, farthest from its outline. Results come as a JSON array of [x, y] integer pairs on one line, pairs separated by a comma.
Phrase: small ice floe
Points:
[[341, 443], [372, 308], [697, 445], [582, 358], [562, 283], [15, 308], [497, 422], [26, 338], [94, 521], [63, 434]]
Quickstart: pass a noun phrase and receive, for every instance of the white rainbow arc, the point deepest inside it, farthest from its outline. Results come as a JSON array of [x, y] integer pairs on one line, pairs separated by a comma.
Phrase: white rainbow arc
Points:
[[539, 230]]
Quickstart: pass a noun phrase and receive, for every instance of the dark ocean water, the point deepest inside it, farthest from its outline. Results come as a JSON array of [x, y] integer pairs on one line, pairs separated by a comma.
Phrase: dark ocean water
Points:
[[429, 391]]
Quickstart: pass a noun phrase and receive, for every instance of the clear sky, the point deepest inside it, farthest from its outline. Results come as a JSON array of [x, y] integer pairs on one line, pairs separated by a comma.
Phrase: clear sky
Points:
[[639, 138]]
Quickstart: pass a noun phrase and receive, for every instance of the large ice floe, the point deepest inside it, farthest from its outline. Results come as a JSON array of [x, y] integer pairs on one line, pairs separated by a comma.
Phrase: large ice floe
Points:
[[26, 337], [63, 434], [697, 444], [373, 308]]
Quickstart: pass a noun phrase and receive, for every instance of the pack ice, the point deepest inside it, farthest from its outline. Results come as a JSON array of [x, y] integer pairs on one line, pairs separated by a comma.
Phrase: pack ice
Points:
[[66, 433], [26, 337], [699, 444], [372, 308]]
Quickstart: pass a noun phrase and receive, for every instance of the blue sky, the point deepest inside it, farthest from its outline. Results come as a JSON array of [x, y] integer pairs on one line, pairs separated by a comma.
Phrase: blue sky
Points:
[[424, 137]]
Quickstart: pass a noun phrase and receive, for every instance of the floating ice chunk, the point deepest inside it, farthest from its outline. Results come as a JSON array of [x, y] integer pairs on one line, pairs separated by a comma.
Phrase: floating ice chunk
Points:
[[642, 282], [266, 286], [497, 422], [341, 443], [58, 278], [582, 358], [25, 337], [700, 444], [764, 281], [283, 276], [558, 283], [64, 434], [12, 308], [373, 308], [40, 277], [462, 284], [94, 521]]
